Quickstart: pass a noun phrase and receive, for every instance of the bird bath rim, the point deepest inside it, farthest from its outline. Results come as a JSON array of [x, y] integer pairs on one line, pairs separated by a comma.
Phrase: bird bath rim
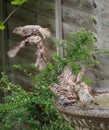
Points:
[[99, 112]]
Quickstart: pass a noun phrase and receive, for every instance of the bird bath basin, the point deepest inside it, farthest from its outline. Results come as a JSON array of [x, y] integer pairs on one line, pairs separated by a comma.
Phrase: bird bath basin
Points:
[[87, 118]]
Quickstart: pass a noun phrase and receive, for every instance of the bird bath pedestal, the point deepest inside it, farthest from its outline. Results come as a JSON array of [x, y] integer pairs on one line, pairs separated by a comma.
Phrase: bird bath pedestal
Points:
[[87, 118]]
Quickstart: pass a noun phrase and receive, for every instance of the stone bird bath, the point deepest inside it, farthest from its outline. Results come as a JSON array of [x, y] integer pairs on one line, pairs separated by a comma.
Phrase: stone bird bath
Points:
[[87, 118]]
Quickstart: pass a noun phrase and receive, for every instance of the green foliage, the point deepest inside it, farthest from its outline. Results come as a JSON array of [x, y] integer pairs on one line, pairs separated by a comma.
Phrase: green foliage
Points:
[[13, 105], [2, 26], [18, 2], [79, 49], [35, 108]]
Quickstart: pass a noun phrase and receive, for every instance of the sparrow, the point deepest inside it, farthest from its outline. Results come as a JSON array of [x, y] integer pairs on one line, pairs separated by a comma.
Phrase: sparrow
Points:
[[85, 97], [63, 94], [29, 30]]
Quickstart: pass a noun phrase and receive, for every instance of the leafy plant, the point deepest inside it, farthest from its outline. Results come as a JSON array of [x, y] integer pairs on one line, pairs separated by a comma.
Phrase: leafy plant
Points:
[[13, 104], [79, 49], [30, 110]]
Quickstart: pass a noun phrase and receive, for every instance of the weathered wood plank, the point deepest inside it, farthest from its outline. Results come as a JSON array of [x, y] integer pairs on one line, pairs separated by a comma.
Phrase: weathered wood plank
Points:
[[58, 14], [4, 41], [58, 17], [46, 8], [89, 6], [26, 17], [75, 16]]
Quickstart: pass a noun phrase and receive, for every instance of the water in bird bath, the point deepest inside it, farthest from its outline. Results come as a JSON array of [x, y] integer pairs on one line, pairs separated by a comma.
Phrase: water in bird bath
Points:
[[103, 99]]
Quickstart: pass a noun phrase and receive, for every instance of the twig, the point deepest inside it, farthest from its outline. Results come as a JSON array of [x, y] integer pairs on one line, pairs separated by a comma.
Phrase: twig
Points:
[[10, 14]]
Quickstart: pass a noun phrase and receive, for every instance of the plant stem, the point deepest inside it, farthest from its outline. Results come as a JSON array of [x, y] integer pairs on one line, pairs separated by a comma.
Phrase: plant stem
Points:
[[10, 14]]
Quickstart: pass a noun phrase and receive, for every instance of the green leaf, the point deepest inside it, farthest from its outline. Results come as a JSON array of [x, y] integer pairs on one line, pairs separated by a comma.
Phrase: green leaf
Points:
[[18, 2], [2, 26]]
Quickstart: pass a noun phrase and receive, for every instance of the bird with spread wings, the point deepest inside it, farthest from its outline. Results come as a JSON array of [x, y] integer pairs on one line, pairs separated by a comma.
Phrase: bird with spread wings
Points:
[[32, 34]]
